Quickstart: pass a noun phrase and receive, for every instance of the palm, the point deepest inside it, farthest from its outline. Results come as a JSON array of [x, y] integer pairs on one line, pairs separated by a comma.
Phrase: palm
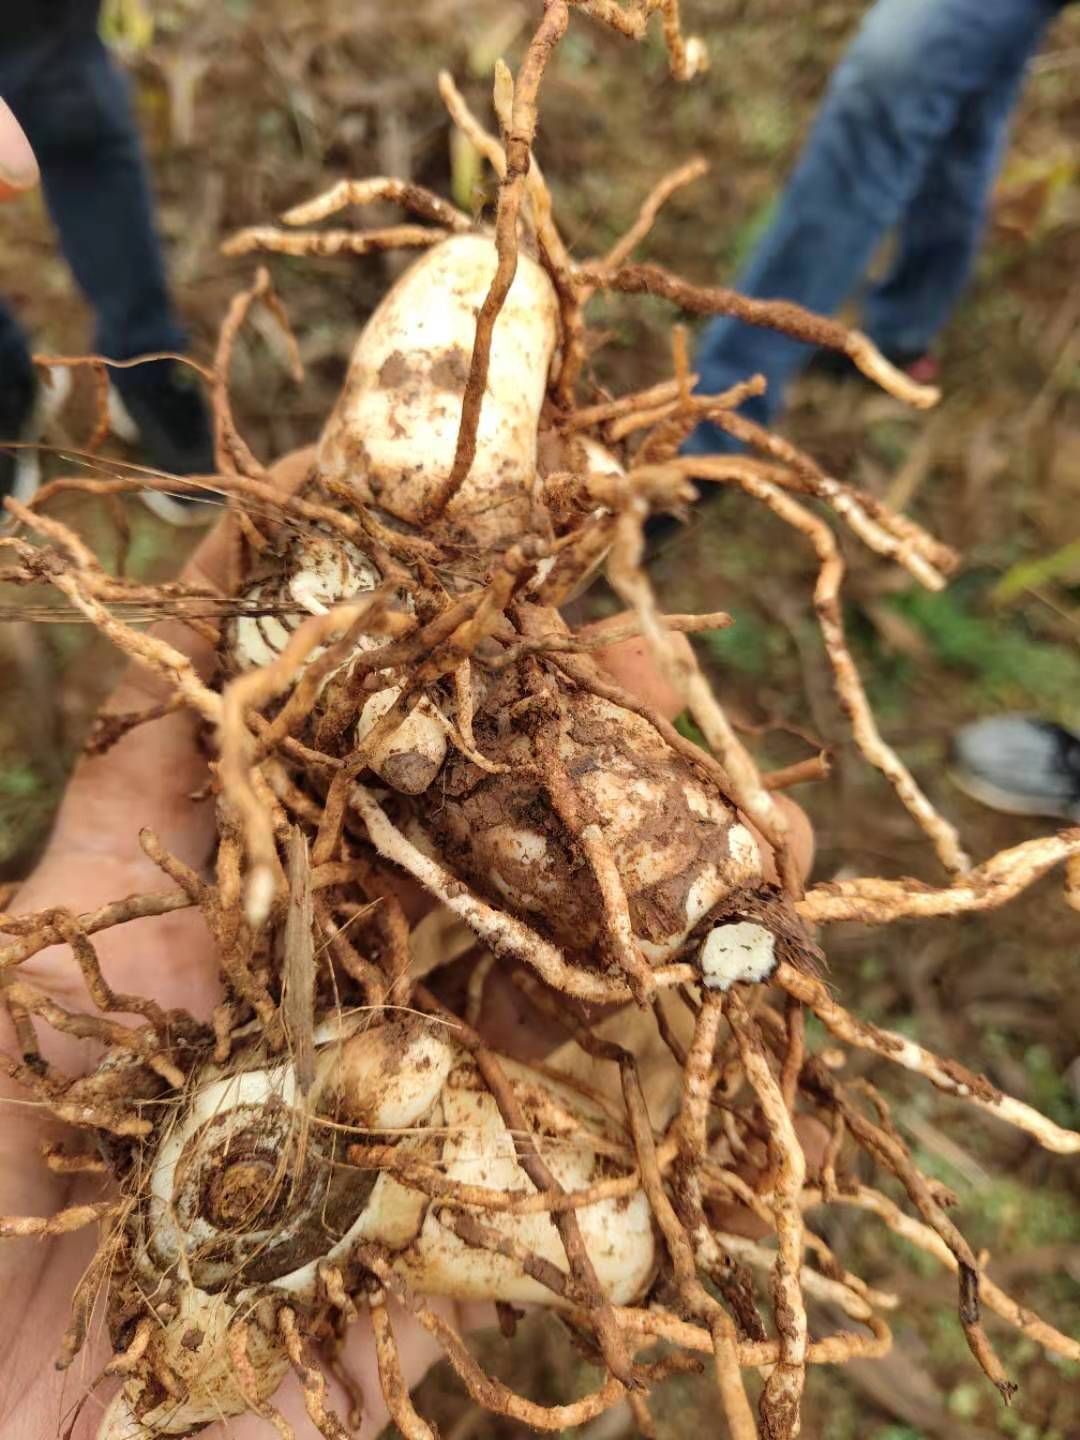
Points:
[[94, 856]]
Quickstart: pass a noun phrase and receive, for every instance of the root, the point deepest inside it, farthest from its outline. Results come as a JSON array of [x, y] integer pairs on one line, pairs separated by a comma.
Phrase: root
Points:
[[947, 1075], [654, 202], [781, 1398], [265, 239], [485, 1237], [862, 1197], [782, 315], [312, 1380], [756, 1354], [231, 452], [1000, 879], [247, 1381], [518, 145], [618, 926], [415, 198], [849, 687], [484, 1389], [41, 930], [882, 530], [885, 1146], [395, 1391], [62, 1223]]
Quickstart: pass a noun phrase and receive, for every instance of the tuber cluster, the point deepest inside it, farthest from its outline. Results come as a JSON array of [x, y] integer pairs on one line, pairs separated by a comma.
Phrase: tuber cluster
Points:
[[397, 698]]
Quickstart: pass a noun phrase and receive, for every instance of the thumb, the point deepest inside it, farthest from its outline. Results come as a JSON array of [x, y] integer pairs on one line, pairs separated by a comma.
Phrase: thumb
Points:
[[18, 168], [152, 772]]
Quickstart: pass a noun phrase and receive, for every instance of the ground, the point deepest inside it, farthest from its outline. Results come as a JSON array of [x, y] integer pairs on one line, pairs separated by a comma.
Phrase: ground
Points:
[[248, 109]]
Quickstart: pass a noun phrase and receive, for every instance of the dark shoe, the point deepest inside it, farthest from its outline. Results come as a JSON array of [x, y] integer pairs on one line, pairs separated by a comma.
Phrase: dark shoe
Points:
[[660, 530], [164, 402], [919, 366], [18, 406], [1019, 764]]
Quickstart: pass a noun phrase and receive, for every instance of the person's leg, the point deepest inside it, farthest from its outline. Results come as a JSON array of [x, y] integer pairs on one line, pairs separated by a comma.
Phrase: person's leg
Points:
[[18, 383], [895, 96], [77, 113], [16, 372], [939, 235]]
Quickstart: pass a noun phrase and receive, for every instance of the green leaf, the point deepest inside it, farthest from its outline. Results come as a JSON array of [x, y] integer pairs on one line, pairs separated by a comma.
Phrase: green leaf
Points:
[[1063, 564]]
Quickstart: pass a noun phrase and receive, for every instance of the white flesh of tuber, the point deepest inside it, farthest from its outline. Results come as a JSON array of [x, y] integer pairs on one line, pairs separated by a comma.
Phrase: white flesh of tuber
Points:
[[318, 571], [410, 757], [740, 952], [479, 1150]]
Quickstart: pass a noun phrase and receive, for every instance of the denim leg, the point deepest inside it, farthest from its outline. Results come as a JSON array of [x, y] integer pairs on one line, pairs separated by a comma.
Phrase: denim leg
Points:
[[938, 238], [891, 102], [76, 111]]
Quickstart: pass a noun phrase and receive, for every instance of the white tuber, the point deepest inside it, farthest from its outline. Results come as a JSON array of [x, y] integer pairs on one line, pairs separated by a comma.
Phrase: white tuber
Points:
[[393, 433], [250, 1197]]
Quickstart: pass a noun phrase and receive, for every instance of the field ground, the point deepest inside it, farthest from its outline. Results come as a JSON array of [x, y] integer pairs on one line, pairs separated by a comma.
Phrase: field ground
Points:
[[250, 108]]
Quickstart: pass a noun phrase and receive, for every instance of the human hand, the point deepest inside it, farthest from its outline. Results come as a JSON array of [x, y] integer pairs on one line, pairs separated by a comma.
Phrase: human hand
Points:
[[146, 779], [94, 856], [18, 168]]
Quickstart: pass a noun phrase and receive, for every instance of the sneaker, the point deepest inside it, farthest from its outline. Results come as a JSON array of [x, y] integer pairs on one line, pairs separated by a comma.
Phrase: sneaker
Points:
[[919, 366], [18, 422], [660, 530], [27, 412], [162, 404], [1020, 764]]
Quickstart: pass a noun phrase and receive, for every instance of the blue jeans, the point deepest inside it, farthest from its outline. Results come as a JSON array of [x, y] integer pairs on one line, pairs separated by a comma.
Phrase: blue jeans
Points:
[[908, 139], [73, 103]]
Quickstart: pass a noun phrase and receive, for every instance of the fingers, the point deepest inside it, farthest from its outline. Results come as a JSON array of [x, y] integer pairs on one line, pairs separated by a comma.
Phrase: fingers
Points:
[[800, 840], [630, 663], [18, 168], [148, 777]]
